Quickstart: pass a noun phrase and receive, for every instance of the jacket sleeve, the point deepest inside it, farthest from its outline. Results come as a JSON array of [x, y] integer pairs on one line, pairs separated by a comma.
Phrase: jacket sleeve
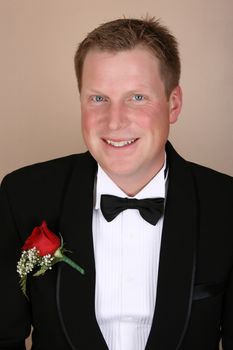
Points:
[[15, 322], [227, 321]]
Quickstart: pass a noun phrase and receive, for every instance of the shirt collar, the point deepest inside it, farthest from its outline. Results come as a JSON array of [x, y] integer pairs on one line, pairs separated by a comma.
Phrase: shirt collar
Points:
[[155, 188]]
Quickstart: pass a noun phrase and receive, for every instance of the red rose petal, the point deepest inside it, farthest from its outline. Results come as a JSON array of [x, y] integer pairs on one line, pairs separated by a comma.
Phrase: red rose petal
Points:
[[45, 241]]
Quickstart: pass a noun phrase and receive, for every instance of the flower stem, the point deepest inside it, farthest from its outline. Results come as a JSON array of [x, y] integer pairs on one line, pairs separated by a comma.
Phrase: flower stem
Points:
[[72, 264]]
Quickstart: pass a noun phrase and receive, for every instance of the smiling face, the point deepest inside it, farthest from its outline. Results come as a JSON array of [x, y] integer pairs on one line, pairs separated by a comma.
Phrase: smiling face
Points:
[[126, 114]]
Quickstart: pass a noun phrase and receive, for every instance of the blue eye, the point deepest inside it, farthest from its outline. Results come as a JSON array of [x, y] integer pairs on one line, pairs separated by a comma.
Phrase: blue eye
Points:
[[138, 97], [98, 98]]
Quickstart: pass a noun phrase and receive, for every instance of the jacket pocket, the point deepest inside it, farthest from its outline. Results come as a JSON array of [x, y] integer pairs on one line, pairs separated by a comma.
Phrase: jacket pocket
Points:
[[202, 291]]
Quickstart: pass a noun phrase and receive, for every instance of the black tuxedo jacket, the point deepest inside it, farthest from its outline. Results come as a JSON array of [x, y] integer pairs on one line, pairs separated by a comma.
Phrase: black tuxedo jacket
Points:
[[194, 306]]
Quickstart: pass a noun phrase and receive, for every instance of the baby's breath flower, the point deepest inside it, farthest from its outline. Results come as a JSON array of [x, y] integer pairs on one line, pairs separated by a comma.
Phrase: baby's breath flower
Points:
[[46, 261], [29, 259]]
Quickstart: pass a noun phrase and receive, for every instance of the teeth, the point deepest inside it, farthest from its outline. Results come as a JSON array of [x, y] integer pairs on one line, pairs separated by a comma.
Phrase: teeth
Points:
[[120, 143]]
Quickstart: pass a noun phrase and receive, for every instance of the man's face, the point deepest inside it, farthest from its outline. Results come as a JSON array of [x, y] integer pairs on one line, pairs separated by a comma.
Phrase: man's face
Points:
[[126, 114]]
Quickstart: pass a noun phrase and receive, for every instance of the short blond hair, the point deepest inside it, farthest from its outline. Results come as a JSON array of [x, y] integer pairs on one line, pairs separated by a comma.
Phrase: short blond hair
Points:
[[125, 34]]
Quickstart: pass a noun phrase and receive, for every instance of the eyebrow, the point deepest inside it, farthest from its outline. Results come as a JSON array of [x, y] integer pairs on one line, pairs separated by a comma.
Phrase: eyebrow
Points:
[[140, 90]]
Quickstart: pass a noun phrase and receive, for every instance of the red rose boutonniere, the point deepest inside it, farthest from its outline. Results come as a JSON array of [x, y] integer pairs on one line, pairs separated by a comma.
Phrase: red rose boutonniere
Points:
[[42, 249]]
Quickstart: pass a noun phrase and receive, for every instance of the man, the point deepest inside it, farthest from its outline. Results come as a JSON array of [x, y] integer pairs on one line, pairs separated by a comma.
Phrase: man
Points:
[[157, 276]]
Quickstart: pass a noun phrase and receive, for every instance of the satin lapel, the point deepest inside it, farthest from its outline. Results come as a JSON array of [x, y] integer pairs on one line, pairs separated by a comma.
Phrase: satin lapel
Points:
[[76, 292], [177, 258]]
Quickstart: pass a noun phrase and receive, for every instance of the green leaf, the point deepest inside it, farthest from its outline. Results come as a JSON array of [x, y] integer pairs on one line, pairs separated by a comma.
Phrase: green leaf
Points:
[[41, 271], [23, 285]]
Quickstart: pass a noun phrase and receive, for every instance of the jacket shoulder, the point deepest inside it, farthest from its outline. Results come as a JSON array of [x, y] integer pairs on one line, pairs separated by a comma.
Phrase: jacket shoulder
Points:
[[204, 173], [56, 169], [37, 191], [45, 180], [212, 183]]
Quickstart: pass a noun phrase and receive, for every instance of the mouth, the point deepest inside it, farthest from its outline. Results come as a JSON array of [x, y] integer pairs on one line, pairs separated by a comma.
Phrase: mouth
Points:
[[121, 143]]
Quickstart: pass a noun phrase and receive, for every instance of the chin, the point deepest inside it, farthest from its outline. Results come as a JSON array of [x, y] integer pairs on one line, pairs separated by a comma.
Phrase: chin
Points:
[[119, 172]]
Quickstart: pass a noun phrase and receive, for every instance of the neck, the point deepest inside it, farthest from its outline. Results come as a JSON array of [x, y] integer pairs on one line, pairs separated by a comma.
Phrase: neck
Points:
[[131, 185]]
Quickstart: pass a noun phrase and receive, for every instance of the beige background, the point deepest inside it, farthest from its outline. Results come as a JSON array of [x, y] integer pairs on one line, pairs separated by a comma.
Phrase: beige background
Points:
[[39, 103]]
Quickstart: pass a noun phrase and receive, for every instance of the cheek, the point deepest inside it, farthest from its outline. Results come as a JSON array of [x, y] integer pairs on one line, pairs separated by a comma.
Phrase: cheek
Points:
[[88, 121], [157, 117], [147, 118], [87, 130], [92, 118]]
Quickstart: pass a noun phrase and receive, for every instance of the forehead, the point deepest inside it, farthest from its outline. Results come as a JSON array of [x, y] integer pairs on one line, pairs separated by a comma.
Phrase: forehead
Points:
[[137, 63], [136, 52]]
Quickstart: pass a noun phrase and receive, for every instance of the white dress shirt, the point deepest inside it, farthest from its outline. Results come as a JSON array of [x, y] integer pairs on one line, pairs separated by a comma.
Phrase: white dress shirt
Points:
[[127, 257]]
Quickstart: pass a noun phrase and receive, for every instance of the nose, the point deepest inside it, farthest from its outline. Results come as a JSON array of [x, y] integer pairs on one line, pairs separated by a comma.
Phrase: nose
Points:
[[117, 117]]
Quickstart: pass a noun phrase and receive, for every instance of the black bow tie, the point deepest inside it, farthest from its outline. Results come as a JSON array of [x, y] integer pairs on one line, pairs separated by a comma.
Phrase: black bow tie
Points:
[[151, 209]]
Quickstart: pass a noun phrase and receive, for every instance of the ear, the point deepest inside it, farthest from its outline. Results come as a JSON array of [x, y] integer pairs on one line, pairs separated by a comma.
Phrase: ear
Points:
[[175, 104]]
